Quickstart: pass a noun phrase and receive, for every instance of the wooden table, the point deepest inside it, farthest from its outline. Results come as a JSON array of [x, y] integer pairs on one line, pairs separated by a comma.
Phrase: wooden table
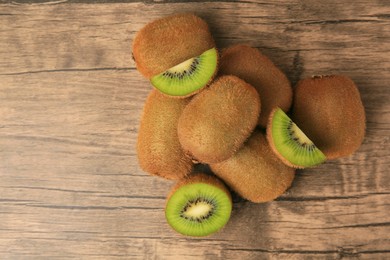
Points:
[[70, 103]]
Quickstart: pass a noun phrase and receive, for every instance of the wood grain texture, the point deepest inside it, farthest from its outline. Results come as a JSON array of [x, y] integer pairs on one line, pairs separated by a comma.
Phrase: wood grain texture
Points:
[[70, 184]]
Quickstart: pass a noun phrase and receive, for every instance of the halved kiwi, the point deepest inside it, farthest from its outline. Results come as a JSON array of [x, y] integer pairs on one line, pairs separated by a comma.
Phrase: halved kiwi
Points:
[[199, 205], [158, 148], [177, 53], [189, 76], [291, 145]]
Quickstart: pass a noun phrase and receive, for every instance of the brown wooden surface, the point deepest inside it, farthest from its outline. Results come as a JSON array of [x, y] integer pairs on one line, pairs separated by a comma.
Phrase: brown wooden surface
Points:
[[70, 102]]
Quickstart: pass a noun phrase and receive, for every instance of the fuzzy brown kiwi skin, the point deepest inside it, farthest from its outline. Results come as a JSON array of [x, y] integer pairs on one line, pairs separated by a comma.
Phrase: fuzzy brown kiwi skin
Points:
[[329, 110], [258, 70], [168, 41], [254, 172], [217, 121], [271, 143], [158, 148], [200, 177], [200, 89]]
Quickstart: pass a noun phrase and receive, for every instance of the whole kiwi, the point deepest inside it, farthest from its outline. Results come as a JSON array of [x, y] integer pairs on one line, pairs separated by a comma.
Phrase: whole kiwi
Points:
[[218, 120], [158, 148], [258, 70], [330, 112], [169, 41], [255, 172]]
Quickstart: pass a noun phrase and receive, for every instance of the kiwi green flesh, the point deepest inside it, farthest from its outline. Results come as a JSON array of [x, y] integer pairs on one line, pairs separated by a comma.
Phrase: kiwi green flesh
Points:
[[198, 209], [188, 76], [292, 144]]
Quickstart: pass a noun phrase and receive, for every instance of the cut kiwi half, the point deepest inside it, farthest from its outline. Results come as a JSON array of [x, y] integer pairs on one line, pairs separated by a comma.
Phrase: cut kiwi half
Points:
[[188, 76], [199, 205], [168, 41], [291, 145]]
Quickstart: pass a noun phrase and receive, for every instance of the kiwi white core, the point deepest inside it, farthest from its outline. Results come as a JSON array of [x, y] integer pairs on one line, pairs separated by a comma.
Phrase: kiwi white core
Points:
[[198, 210], [182, 66], [300, 136]]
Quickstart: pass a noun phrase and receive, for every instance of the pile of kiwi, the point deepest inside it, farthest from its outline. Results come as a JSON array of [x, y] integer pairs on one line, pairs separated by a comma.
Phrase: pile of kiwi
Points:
[[236, 112]]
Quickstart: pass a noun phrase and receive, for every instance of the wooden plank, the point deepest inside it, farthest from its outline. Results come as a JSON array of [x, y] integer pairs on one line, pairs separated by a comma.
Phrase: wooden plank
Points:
[[70, 105], [279, 227], [101, 37]]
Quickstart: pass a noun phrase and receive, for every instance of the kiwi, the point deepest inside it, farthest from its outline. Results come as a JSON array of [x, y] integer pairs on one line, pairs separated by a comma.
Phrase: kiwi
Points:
[[255, 172], [189, 76], [255, 68], [198, 205], [218, 120], [330, 112], [290, 144], [177, 53], [158, 148]]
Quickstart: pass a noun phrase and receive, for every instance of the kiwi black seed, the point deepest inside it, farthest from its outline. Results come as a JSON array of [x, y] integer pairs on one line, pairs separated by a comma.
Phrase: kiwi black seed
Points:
[[330, 112], [254, 172], [218, 120], [258, 70], [158, 148], [290, 144], [198, 205], [166, 49]]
